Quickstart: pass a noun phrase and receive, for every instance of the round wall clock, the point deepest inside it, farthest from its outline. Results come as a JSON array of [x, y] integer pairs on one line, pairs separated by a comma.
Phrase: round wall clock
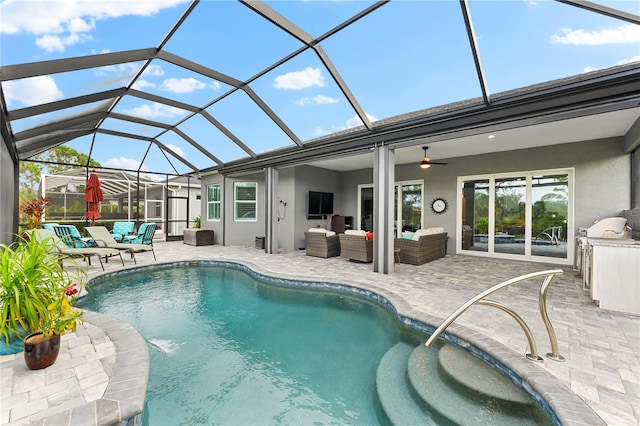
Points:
[[439, 205]]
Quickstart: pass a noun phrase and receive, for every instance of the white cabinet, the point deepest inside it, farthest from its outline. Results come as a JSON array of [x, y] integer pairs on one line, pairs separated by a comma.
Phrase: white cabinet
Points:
[[615, 274]]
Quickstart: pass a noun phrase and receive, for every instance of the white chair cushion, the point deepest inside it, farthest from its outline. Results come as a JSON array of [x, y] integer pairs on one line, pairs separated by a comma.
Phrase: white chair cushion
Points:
[[322, 230], [428, 231], [355, 232], [330, 233]]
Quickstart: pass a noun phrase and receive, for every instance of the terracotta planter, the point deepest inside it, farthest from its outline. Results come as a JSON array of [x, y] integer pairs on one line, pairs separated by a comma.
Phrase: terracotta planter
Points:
[[40, 351]]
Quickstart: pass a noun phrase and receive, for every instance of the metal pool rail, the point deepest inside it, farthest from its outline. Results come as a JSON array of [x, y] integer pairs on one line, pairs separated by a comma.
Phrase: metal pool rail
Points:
[[542, 301]]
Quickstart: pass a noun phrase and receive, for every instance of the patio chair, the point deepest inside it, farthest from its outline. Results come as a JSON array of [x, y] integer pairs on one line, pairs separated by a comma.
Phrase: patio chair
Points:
[[322, 243], [78, 240], [354, 245], [61, 248], [120, 229], [146, 231], [425, 246], [103, 238]]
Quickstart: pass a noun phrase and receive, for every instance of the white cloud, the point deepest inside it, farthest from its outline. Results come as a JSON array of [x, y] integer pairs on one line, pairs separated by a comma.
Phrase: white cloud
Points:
[[297, 80], [621, 62], [355, 121], [143, 84], [182, 85], [176, 149], [122, 163], [316, 100], [155, 110], [620, 35], [153, 70], [61, 23], [32, 91]]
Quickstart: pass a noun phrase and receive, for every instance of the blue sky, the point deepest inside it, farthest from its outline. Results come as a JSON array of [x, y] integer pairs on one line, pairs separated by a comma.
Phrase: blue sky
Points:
[[405, 56]]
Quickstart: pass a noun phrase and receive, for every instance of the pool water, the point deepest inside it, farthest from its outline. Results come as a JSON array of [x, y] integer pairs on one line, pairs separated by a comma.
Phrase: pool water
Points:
[[226, 349]]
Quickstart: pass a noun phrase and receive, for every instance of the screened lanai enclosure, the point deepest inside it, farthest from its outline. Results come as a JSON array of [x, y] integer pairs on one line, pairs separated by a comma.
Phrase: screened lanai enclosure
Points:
[[171, 203], [230, 88]]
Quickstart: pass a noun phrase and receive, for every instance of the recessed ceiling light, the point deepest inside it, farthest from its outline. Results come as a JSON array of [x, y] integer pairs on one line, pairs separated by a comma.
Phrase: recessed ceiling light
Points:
[[491, 136]]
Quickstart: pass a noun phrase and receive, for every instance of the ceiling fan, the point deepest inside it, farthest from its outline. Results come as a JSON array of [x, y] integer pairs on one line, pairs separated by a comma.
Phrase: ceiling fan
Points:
[[426, 161]]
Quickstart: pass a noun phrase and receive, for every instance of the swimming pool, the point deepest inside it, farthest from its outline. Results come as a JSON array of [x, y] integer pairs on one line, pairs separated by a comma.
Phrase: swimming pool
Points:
[[228, 349]]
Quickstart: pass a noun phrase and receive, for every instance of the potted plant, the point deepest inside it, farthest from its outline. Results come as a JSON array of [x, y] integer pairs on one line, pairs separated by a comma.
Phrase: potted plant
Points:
[[197, 222], [33, 284], [34, 211]]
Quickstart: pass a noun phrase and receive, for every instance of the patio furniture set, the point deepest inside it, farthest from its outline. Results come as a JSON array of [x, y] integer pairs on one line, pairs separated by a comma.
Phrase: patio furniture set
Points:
[[416, 248], [66, 240]]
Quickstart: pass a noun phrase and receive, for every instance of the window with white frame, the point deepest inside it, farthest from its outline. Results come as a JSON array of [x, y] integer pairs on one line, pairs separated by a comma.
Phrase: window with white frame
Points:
[[245, 201], [213, 202]]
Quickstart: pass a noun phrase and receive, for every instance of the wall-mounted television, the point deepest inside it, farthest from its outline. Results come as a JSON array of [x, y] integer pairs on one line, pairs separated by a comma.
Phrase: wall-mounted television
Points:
[[319, 204]]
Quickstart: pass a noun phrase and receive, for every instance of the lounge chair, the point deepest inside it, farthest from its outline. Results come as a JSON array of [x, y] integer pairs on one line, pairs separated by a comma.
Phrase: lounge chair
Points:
[[322, 244], [354, 245], [120, 229], [61, 248], [70, 235], [103, 238], [146, 231]]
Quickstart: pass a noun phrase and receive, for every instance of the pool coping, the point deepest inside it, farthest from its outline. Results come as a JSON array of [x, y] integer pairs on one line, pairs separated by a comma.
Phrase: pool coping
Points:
[[561, 403]]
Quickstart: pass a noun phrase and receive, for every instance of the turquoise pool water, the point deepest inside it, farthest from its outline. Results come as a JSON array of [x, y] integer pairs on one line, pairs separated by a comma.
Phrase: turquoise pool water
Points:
[[226, 349]]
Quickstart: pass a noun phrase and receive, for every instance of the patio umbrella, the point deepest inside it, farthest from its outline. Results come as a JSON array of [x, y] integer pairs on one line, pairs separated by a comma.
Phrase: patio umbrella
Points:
[[93, 195]]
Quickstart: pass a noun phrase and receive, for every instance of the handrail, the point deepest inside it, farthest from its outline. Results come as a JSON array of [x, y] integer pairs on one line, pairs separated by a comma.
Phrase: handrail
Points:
[[542, 301]]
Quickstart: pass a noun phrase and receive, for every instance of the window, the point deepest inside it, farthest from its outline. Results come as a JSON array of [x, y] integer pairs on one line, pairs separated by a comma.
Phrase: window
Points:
[[245, 200], [213, 202], [525, 214]]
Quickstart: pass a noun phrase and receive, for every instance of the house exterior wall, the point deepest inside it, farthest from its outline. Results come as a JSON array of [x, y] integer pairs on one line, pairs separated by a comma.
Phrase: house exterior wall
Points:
[[308, 178], [602, 179], [602, 188], [244, 233]]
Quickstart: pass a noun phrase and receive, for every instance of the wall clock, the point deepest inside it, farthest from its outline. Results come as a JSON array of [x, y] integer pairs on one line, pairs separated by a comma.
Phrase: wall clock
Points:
[[439, 205]]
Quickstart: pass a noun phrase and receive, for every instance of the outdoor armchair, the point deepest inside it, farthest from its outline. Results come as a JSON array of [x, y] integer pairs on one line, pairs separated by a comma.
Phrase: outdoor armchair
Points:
[[104, 239], [322, 244], [423, 248], [356, 247], [58, 246]]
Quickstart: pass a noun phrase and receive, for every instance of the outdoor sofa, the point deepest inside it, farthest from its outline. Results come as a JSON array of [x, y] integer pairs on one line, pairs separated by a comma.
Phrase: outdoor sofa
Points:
[[424, 246]]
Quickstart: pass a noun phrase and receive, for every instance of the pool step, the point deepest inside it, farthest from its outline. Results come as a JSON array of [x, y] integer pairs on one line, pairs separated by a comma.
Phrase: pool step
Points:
[[420, 385], [394, 393]]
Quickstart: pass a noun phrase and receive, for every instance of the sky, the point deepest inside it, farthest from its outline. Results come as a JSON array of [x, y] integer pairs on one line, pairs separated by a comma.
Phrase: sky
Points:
[[405, 56]]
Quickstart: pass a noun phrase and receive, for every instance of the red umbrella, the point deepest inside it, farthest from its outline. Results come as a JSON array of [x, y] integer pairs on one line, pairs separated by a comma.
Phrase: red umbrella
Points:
[[93, 195]]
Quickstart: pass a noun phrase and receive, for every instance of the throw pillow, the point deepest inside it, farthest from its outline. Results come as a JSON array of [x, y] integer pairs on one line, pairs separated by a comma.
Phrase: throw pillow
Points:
[[369, 235], [407, 235]]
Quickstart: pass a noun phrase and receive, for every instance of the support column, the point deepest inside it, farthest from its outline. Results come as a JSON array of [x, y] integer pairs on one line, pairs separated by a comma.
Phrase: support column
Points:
[[271, 222], [383, 198]]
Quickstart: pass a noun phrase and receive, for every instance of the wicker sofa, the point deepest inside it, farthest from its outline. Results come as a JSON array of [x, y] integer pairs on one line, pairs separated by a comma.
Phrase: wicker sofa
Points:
[[425, 249], [320, 244], [356, 247]]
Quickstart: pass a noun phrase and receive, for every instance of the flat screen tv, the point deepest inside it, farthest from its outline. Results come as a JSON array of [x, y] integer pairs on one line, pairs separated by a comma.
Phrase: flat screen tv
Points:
[[319, 204]]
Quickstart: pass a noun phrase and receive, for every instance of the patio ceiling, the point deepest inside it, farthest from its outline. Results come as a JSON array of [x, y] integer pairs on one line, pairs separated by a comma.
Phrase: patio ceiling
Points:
[[245, 85]]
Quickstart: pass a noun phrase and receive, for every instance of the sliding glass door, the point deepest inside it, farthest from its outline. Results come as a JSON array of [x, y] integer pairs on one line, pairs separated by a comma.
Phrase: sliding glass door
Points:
[[522, 215], [407, 206]]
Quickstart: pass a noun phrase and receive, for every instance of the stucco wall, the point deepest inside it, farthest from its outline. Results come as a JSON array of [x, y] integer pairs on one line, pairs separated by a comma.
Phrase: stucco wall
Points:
[[602, 188]]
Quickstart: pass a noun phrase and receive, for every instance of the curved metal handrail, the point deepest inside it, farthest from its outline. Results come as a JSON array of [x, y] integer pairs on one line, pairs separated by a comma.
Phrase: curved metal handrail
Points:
[[542, 301]]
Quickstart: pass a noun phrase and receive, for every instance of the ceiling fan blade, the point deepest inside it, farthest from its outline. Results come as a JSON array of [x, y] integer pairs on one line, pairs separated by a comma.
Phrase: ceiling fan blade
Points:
[[438, 163]]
